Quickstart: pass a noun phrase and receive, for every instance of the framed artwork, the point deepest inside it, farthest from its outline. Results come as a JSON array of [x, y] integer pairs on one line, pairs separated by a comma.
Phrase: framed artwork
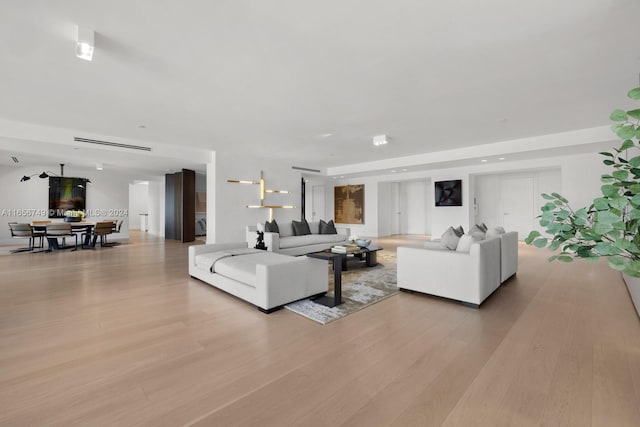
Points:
[[348, 204], [448, 193]]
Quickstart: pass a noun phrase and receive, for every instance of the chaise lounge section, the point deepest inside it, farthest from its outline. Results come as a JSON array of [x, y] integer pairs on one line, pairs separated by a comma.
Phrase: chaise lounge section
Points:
[[265, 279]]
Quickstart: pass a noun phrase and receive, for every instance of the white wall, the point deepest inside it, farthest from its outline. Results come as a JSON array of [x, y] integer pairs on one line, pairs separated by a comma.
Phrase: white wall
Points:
[[414, 199], [107, 197], [138, 204], [227, 214], [155, 206], [489, 196], [579, 181]]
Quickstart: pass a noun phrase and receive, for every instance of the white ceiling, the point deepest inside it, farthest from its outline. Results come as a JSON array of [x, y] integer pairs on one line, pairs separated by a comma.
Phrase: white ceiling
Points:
[[273, 77]]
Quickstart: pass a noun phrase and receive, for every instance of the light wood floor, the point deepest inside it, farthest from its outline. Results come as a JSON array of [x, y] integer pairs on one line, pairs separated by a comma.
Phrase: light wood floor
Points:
[[123, 336]]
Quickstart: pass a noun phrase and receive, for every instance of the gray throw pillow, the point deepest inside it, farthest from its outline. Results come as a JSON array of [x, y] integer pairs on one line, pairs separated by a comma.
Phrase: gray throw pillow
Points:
[[271, 227], [459, 231], [300, 228], [327, 227], [484, 227], [450, 239]]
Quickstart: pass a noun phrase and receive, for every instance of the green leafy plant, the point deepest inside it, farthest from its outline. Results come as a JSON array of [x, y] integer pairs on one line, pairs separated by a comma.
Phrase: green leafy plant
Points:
[[609, 227]]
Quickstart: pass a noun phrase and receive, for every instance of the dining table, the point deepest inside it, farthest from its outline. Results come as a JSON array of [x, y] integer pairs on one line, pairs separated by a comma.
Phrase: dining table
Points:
[[84, 227]]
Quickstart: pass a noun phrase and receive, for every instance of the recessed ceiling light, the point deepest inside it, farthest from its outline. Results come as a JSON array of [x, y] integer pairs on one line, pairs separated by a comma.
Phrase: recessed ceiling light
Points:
[[99, 166], [84, 43], [404, 170], [484, 160], [341, 176], [393, 171], [326, 135], [379, 140], [501, 158], [335, 177]]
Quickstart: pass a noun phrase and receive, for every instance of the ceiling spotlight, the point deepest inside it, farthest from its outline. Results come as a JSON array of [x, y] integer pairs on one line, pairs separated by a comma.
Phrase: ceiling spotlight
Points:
[[326, 135], [501, 158], [484, 160], [99, 166], [404, 170], [393, 171], [379, 140], [25, 178], [85, 44], [43, 175]]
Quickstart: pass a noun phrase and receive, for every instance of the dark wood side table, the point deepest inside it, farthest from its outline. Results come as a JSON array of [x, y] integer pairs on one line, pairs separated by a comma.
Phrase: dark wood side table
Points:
[[337, 278]]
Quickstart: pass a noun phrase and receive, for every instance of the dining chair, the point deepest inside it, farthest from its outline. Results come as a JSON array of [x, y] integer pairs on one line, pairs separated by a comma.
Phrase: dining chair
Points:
[[21, 231], [57, 230], [101, 229], [38, 228]]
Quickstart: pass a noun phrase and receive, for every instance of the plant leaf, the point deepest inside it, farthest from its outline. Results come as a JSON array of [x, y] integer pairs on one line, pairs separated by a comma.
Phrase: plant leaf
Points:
[[609, 190], [618, 116], [540, 242], [634, 113], [626, 132], [634, 161], [626, 145], [634, 93], [621, 175], [532, 236]]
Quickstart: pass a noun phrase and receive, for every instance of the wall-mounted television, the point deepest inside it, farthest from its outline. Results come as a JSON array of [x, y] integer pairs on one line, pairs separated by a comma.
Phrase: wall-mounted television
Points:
[[66, 194], [448, 193]]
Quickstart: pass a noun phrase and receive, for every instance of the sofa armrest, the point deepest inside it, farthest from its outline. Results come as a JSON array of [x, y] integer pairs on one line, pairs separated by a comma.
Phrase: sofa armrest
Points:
[[468, 277], [343, 230], [272, 240], [251, 236]]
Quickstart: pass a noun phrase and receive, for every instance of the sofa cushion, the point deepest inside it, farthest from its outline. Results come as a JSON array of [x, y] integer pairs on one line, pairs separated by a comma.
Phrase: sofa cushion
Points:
[[464, 244], [309, 239], [243, 268], [300, 228], [450, 239], [271, 227], [286, 229], [327, 227], [477, 233]]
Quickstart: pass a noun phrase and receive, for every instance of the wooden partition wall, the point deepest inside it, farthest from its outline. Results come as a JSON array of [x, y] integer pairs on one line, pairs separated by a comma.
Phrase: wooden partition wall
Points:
[[180, 206]]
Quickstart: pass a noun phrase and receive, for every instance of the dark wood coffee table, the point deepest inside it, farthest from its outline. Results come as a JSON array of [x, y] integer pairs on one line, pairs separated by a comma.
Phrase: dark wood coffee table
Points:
[[369, 254], [337, 260]]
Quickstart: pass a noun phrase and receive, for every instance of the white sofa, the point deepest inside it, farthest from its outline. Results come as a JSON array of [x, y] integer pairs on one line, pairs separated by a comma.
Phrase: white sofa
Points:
[[287, 243], [265, 279], [469, 277]]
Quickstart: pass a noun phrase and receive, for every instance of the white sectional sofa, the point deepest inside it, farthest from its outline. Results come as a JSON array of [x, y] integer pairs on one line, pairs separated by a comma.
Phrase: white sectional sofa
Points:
[[287, 243], [265, 279], [469, 277]]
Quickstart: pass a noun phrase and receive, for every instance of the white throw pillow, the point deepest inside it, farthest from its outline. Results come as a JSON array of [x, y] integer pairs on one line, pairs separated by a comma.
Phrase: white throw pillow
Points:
[[464, 244], [450, 239], [260, 227]]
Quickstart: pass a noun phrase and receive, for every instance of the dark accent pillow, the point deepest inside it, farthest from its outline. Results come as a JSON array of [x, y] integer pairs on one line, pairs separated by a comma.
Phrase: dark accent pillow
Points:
[[300, 228], [327, 227], [271, 227], [459, 231], [484, 227]]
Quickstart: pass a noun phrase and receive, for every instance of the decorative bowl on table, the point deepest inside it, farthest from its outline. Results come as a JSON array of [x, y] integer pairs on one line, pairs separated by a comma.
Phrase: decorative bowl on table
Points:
[[363, 243]]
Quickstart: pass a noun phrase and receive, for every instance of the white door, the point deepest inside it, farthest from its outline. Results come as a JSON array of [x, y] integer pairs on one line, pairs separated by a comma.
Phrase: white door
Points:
[[396, 213], [517, 205], [317, 203]]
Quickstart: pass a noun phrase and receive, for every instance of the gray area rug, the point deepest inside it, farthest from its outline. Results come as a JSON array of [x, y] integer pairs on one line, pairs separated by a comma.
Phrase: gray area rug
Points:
[[361, 286]]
